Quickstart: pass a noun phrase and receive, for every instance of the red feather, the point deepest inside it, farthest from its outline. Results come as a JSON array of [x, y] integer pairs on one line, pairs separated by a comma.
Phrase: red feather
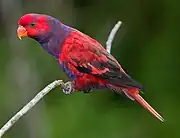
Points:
[[84, 55]]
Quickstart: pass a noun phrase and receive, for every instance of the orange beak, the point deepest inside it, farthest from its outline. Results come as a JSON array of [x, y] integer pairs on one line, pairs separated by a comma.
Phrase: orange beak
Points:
[[21, 32]]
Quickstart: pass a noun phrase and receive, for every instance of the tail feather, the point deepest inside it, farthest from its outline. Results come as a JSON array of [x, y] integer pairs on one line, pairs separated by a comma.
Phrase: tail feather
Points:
[[134, 94]]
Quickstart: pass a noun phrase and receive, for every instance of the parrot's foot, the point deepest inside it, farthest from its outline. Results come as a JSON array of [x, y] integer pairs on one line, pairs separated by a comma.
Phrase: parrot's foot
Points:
[[68, 88], [87, 90]]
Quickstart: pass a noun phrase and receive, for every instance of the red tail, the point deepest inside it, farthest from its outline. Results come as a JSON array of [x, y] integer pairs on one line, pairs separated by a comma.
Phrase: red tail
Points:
[[134, 94]]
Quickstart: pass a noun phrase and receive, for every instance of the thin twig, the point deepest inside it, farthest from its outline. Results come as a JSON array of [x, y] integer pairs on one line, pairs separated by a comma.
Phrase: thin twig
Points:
[[30, 105], [111, 36], [48, 88]]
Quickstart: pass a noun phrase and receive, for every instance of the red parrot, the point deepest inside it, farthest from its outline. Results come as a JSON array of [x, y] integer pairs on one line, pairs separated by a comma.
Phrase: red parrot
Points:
[[85, 61]]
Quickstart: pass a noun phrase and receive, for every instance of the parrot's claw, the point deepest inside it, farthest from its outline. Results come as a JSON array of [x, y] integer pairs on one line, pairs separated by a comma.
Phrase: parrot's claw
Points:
[[68, 88], [87, 90]]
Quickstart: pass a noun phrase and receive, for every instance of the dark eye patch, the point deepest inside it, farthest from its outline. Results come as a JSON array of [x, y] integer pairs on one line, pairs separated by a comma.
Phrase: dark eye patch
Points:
[[32, 24]]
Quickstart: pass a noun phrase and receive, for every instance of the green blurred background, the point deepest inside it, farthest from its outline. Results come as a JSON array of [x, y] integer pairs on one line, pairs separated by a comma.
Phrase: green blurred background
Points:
[[147, 46]]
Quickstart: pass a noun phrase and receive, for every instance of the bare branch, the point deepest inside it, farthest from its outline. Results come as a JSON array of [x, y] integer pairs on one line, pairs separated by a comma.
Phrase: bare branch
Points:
[[48, 88], [111, 36], [30, 105]]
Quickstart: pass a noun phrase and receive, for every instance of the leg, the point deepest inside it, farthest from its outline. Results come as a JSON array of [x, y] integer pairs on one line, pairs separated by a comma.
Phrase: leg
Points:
[[68, 87], [87, 90]]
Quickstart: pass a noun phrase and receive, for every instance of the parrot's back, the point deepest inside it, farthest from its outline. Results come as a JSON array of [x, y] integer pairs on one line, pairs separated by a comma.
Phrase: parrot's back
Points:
[[83, 56]]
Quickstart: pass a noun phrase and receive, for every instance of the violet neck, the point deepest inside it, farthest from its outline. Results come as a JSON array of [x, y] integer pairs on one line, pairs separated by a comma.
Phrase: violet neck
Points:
[[53, 41]]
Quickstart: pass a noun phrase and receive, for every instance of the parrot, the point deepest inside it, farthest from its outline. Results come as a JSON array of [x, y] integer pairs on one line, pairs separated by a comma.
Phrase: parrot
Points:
[[86, 62]]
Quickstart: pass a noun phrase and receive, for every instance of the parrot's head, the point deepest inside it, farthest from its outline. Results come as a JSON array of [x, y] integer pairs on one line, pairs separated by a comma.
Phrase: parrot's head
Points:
[[45, 29], [41, 27], [33, 25]]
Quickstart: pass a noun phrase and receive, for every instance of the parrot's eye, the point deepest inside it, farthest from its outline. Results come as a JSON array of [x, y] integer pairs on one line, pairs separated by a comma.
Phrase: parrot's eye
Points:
[[32, 24]]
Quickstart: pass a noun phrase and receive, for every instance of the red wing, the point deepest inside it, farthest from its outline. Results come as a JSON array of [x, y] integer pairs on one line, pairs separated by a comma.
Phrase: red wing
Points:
[[88, 56]]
